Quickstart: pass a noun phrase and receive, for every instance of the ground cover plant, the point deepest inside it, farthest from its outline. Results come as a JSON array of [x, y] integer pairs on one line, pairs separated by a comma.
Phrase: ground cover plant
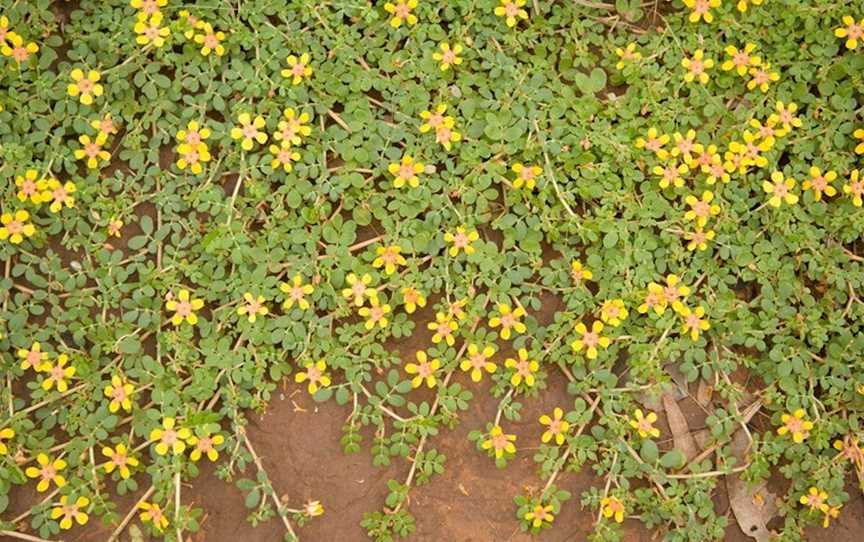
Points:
[[205, 200]]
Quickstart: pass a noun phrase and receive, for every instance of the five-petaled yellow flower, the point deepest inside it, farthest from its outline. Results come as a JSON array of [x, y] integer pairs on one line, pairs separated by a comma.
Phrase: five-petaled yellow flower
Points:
[[71, 511], [524, 369], [205, 445], [854, 189], [701, 209], [512, 10], [412, 298], [119, 458], [358, 288], [15, 47], [169, 438], [644, 425], [424, 369], [613, 312], [508, 319], [674, 292], [478, 360], [406, 171], [298, 68], [461, 240], [850, 30], [375, 314], [444, 327], [820, 183], [697, 67], [209, 40], [627, 54], [92, 150], [184, 308], [389, 258], [654, 142], [557, 427], [16, 226], [401, 12], [293, 127], [579, 273], [5, 434], [296, 292], [152, 513], [698, 239], [780, 190], [59, 194], [194, 135], [654, 300], [815, 499], [449, 56], [316, 374], [590, 341], [120, 393], [702, 9], [249, 131], [525, 176], [150, 31], [33, 357], [500, 442], [283, 156], [741, 60], [694, 321], [253, 307], [57, 374], [29, 187], [48, 471], [85, 88], [762, 77], [612, 507], [192, 157], [539, 514], [671, 174], [796, 425]]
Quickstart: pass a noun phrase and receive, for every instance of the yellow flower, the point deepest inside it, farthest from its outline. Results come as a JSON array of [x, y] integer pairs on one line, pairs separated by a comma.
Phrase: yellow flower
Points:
[[29, 187], [388, 258], [508, 319], [741, 60], [820, 184], [524, 369], [34, 357], [674, 292], [412, 298], [716, 171], [5, 434], [702, 9], [293, 128], [120, 459], [406, 171], [152, 513], [296, 292], [149, 30], [628, 53], [654, 299], [699, 239], [539, 515], [590, 340], [249, 131], [851, 31], [209, 40], [832, 512], [500, 442], [424, 369], [316, 374], [644, 425], [57, 374], [693, 322], [114, 227], [859, 134], [17, 49], [375, 314], [194, 135], [684, 145], [192, 157], [742, 4], [167, 438], [92, 150], [205, 445], [461, 241], [85, 88], [558, 427], [654, 142], [762, 77], [184, 308], [456, 309], [359, 288], [449, 56], [579, 273], [697, 67], [780, 190], [767, 132], [436, 120], [120, 393], [478, 361], [283, 156], [69, 511], [443, 326], [701, 209], [854, 188], [148, 7], [511, 10], [446, 136], [815, 499], [785, 116], [401, 12], [47, 472], [313, 508], [612, 507], [525, 176], [253, 307], [105, 124], [613, 312], [671, 174], [59, 194], [796, 425], [297, 68]]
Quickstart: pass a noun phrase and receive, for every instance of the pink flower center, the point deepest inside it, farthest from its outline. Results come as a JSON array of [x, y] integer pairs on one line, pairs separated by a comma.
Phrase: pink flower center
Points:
[[766, 132], [644, 425], [693, 321], [297, 293], [48, 472], [653, 144], [20, 54], [211, 41], [741, 59], [290, 130], [698, 237], [696, 66], [250, 131], [57, 372], [704, 159], [819, 183], [425, 370], [856, 187], [169, 437], [3, 32], [523, 368], [119, 394], [444, 330], [448, 57], [590, 339], [478, 361], [761, 77], [192, 157], [717, 170], [184, 308], [59, 194], [389, 257], [436, 120], [15, 227], [406, 171], [702, 209], [508, 320], [204, 444], [376, 313], [119, 460], [28, 187], [611, 311], [150, 7], [151, 32], [193, 138], [410, 296], [555, 427], [284, 156], [653, 299], [297, 70], [252, 307], [402, 11], [815, 501], [671, 293], [91, 150], [785, 116], [85, 86], [106, 126], [685, 145], [511, 9], [442, 135], [701, 6], [855, 31], [358, 289], [313, 373], [527, 173], [33, 358], [460, 240], [499, 442], [670, 173], [780, 189]]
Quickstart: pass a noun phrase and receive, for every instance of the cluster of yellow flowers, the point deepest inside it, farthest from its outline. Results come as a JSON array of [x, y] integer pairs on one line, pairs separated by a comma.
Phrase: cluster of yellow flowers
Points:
[[701, 9], [17, 225], [13, 45], [402, 12], [442, 124], [192, 150], [291, 131], [742, 61]]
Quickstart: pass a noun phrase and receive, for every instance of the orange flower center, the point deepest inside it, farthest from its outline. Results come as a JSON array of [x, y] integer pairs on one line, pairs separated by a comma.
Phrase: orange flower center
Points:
[[91, 150], [696, 66], [20, 54], [184, 308], [85, 86], [741, 59], [590, 339], [15, 227], [298, 69], [211, 41], [28, 187]]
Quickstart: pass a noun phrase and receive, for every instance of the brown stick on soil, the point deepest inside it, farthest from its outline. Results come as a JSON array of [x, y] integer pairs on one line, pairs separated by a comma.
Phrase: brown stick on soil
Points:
[[22, 536]]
